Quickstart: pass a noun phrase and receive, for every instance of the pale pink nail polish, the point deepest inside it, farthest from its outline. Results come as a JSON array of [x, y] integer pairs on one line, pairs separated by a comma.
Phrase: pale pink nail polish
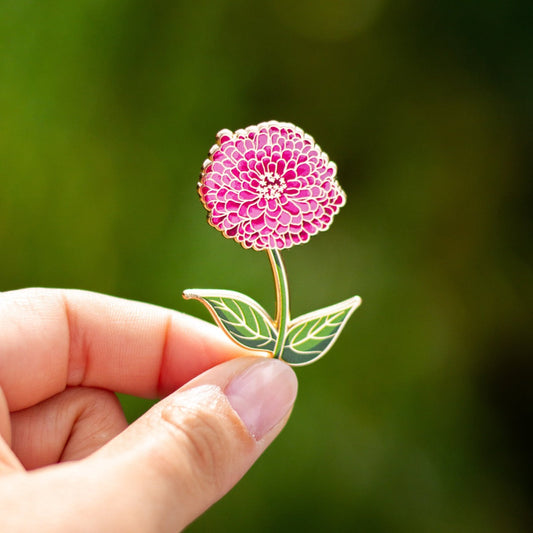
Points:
[[262, 395]]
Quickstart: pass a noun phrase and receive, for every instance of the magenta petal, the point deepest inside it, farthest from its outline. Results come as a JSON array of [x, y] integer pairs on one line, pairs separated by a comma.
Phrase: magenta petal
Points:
[[216, 167], [233, 196], [303, 193], [217, 220], [309, 227], [325, 221], [272, 204], [224, 136], [303, 170], [231, 232], [313, 205], [289, 174], [271, 222], [292, 191], [284, 218], [262, 139], [233, 218], [243, 211], [296, 228], [297, 219], [246, 195], [254, 211], [292, 208], [232, 206], [275, 213], [286, 155], [259, 223]]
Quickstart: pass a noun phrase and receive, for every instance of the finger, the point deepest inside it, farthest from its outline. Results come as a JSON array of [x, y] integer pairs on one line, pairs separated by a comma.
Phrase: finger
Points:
[[167, 467], [51, 339], [71, 425]]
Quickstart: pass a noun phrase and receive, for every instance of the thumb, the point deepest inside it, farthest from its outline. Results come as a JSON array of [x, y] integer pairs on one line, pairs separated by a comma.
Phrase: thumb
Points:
[[192, 447], [167, 467]]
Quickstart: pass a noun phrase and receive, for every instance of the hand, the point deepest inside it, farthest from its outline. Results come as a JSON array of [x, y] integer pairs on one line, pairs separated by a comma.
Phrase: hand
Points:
[[67, 460]]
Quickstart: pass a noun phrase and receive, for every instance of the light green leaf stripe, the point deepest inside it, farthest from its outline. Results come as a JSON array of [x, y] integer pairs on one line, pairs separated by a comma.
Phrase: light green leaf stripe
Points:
[[310, 336], [243, 319]]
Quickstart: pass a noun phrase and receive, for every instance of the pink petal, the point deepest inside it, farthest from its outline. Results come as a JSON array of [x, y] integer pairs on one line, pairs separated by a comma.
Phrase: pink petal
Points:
[[246, 194], [284, 217], [289, 174], [233, 218], [259, 223], [286, 155], [292, 208], [272, 205], [262, 139], [303, 169], [271, 222], [232, 206], [231, 232]]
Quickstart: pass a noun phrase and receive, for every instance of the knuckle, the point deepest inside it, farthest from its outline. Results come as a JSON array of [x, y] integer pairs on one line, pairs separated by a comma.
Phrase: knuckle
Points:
[[207, 436]]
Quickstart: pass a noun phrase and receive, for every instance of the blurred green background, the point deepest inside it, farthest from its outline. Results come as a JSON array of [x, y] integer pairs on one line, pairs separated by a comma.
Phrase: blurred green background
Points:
[[419, 419]]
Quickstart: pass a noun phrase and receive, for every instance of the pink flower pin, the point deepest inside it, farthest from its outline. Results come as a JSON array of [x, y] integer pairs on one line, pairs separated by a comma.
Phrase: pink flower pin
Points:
[[270, 187]]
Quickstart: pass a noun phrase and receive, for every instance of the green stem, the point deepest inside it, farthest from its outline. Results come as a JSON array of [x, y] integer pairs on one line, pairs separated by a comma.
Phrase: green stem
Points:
[[282, 300]]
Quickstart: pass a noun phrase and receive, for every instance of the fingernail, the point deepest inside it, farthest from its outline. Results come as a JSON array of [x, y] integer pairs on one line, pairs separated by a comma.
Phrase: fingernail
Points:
[[262, 395]]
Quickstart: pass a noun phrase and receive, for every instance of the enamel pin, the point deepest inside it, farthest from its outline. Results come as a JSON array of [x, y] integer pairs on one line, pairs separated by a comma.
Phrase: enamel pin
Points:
[[270, 187]]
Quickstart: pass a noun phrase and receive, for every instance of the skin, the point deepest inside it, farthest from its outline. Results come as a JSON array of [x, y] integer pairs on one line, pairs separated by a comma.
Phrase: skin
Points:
[[68, 460]]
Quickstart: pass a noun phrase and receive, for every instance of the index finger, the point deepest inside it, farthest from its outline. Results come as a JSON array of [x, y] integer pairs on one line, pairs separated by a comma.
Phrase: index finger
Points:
[[54, 338]]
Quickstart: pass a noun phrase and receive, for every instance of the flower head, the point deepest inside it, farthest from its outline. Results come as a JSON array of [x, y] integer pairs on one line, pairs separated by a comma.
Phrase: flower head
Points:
[[269, 186]]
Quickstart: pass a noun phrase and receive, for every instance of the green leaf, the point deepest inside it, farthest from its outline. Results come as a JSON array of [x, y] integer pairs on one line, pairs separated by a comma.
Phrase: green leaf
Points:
[[310, 336], [243, 319]]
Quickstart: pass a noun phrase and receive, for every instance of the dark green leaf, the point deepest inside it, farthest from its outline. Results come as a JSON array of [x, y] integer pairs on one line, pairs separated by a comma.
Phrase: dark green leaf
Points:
[[243, 319], [310, 336]]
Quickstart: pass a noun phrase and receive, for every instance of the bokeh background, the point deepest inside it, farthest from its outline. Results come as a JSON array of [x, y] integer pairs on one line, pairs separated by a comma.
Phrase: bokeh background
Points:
[[420, 418]]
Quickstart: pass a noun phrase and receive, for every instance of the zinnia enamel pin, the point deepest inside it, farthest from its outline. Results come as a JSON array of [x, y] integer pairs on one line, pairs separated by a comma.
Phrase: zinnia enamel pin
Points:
[[270, 187]]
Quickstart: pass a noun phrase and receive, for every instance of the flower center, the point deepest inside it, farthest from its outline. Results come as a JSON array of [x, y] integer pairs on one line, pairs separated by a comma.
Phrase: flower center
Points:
[[271, 186]]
